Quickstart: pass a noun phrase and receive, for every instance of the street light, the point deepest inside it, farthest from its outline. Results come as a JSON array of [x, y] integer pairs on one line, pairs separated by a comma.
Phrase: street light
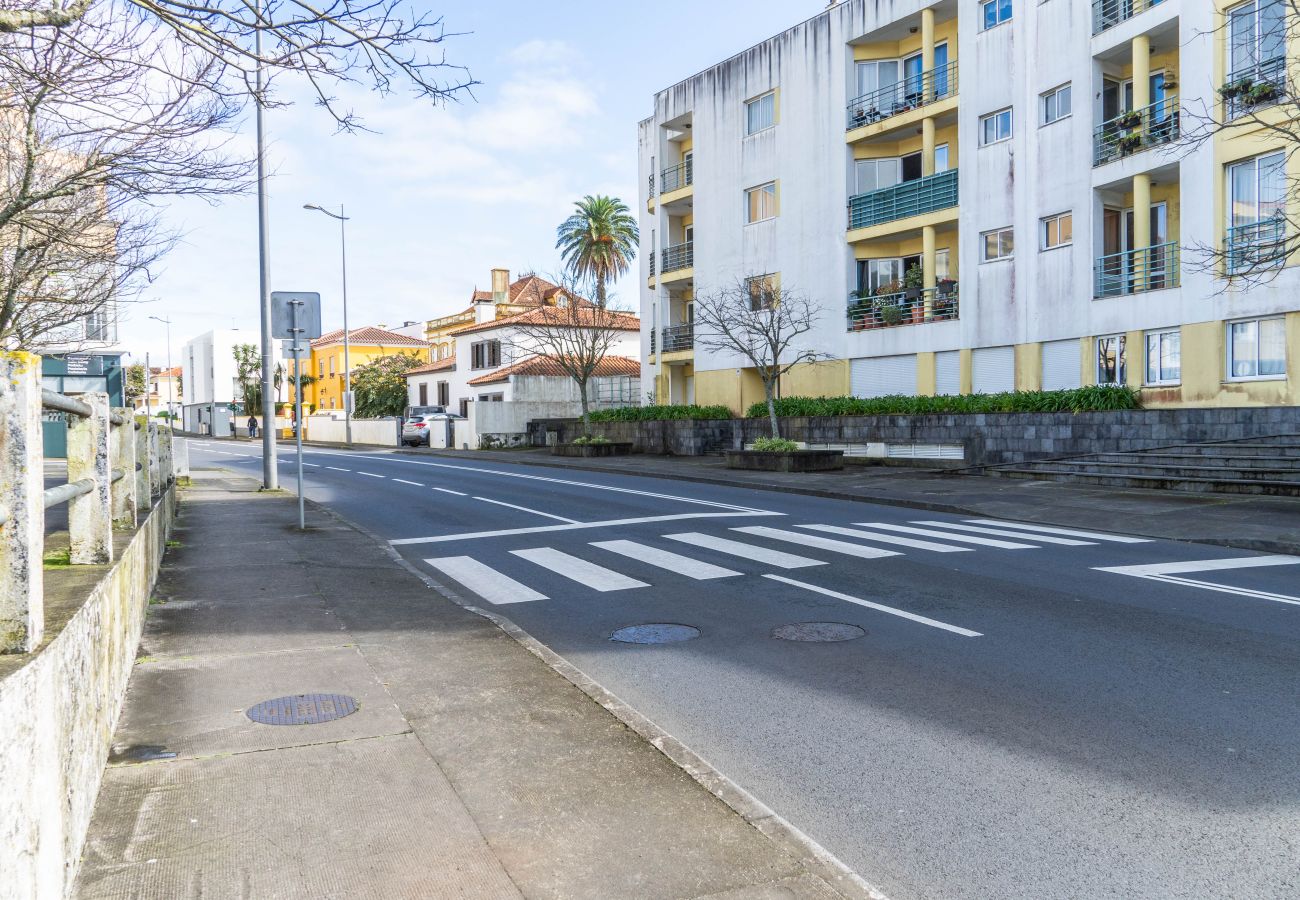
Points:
[[347, 366], [171, 390]]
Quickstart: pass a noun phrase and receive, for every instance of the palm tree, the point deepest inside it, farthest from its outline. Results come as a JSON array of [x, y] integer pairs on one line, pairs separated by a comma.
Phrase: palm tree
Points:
[[598, 241]]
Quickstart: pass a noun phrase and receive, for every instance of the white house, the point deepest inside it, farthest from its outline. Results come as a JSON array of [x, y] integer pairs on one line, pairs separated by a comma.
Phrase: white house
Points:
[[208, 374]]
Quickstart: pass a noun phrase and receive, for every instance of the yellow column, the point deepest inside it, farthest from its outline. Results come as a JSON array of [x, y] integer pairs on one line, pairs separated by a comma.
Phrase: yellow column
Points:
[[966, 378], [925, 374], [927, 39], [927, 146], [1141, 227], [1141, 71], [1135, 359], [928, 276]]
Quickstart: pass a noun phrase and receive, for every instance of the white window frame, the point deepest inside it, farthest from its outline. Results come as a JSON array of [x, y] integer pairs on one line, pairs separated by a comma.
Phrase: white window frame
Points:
[[1228, 347], [999, 232], [1233, 15], [1160, 337], [994, 117], [1254, 163], [1045, 223], [1054, 96], [754, 104], [998, 6], [1121, 358], [764, 188], [942, 149]]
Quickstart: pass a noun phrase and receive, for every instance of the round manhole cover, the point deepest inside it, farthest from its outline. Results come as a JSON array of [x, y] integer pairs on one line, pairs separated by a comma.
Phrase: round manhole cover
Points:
[[303, 709], [818, 632], [660, 633]]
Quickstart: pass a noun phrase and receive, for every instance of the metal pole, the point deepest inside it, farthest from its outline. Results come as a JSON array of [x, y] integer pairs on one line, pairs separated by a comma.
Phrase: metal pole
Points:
[[270, 477], [347, 362], [147, 411], [171, 384], [297, 408]]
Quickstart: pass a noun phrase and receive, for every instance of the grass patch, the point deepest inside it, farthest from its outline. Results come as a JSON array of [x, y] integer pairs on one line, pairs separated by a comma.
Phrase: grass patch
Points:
[[58, 559], [174, 544], [775, 445]]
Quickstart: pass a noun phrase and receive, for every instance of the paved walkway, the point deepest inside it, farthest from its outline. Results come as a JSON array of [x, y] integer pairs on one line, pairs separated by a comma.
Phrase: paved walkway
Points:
[[471, 768]]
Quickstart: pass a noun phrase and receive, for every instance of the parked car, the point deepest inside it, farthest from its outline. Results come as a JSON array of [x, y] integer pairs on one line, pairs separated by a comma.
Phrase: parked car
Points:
[[415, 431]]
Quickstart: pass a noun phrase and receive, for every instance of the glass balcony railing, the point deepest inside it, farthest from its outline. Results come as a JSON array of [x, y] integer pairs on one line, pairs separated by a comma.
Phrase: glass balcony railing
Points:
[[887, 308], [676, 177], [1250, 88], [911, 93], [679, 337], [679, 256], [1134, 271], [1109, 13], [910, 198], [1255, 245], [1136, 130]]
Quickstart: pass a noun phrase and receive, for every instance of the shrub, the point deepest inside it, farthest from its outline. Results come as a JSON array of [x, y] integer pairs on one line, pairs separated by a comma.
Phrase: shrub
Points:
[[586, 440], [1099, 398], [656, 413], [775, 445]]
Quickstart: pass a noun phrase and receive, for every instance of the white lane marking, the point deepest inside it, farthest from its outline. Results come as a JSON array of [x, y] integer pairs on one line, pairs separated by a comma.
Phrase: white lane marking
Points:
[[887, 538], [664, 559], [371, 475], [544, 529], [535, 512], [812, 540], [450, 491], [404, 481], [337, 469], [960, 538], [485, 581], [588, 574], [313, 465], [1002, 532], [933, 623], [1169, 572], [1068, 532], [778, 558]]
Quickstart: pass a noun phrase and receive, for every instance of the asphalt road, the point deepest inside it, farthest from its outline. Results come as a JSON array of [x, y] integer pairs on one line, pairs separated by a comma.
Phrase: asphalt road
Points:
[[1028, 714]]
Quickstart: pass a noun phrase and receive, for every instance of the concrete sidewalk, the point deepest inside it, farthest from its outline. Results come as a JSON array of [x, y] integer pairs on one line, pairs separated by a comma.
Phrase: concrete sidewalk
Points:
[[472, 767]]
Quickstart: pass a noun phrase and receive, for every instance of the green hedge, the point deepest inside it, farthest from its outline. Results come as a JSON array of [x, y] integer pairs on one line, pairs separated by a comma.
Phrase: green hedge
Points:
[[1088, 399], [657, 413]]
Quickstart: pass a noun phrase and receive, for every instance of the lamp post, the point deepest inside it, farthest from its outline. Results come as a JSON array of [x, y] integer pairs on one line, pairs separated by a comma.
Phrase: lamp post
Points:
[[347, 364], [270, 477], [171, 385]]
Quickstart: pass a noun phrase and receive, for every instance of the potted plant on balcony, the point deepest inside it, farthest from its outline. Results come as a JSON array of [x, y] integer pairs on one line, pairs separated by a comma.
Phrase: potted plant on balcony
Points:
[[913, 281], [1129, 141], [1130, 119], [859, 309], [859, 116], [885, 306], [1236, 88], [945, 298], [1264, 92]]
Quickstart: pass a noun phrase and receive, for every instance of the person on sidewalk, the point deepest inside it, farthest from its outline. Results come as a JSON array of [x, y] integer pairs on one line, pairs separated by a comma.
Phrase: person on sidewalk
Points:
[[252, 426]]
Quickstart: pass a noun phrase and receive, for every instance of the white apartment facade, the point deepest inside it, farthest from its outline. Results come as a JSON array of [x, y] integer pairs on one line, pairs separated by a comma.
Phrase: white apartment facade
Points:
[[208, 377], [983, 195]]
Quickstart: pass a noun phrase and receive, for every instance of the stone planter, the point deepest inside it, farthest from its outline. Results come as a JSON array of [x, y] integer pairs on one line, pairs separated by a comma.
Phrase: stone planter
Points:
[[611, 449], [786, 461]]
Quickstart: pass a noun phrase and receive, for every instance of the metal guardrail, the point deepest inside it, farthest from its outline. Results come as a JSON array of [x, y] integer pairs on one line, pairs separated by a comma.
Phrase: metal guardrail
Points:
[[1262, 84], [679, 337], [1135, 271], [678, 256], [892, 309], [1255, 245], [910, 198], [1109, 13], [910, 93], [677, 177], [1137, 130]]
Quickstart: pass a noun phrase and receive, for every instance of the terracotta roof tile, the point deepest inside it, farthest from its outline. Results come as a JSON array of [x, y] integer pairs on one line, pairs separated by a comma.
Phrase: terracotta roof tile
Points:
[[369, 336], [548, 365], [442, 365], [559, 316]]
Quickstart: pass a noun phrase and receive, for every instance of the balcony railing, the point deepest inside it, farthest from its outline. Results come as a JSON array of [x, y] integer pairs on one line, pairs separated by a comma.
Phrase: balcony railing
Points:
[[650, 189], [890, 309], [676, 177], [1134, 131], [1134, 271], [1262, 84], [652, 264], [1109, 13], [910, 198], [679, 256], [911, 93], [679, 337], [1255, 245]]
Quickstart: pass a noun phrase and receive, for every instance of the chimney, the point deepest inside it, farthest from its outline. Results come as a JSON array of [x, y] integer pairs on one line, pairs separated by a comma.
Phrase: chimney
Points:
[[500, 285], [484, 311]]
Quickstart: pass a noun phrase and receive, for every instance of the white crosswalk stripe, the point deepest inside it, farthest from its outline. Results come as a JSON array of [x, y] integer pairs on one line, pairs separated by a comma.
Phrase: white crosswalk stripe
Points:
[[485, 581], [1002, 532], [778, 558], [947, 536], [588, 574], [812, 540], [664, 559], [1068, 532], [877, 536]]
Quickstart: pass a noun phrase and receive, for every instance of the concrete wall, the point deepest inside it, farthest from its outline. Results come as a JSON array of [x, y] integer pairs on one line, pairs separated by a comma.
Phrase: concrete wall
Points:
[[381, 432], [58, 707]]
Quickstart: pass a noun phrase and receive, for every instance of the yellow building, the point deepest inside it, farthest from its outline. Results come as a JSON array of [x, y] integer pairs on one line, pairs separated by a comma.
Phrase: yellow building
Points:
[[365, 345]]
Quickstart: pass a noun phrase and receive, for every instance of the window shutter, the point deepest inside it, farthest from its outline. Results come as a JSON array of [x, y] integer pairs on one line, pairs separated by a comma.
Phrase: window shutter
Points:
[[947, 372], [880, 376], [1061, 365], [993, 370]]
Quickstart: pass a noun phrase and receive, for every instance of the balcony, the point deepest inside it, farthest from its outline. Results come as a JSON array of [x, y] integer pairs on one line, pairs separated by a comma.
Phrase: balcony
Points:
[[677, 177], [679, 256], [1259, 85], [1135, 131], [1255, 245], [679, 337], [903, 96], [1109, 13], [891, 309], [1135, 271], [911, 198]]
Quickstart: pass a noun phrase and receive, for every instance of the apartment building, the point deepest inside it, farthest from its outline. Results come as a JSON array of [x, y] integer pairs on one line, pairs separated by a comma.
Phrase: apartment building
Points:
[[987, 195]]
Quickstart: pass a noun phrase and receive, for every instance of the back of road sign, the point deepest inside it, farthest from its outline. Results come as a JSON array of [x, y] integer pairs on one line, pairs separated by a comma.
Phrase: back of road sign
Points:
[[308, 314]]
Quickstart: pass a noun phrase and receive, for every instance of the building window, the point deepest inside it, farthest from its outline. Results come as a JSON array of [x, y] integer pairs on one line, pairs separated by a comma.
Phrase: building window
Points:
[[331, 367], [760, 113], [941, 159], [1112, 368], [424, 394], [1257, 41], [444, 393], [1256, 212], [322, 368], [1164, 357], [485, 355], [1057, 231], [762, 291], [492, 398], [995, 127], [1056, 104], [995, 12], [1257, 348], [995, 245], [760, 202]]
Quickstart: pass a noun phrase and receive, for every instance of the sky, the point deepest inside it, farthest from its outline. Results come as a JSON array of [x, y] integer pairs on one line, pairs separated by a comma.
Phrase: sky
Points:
[[438, 196]]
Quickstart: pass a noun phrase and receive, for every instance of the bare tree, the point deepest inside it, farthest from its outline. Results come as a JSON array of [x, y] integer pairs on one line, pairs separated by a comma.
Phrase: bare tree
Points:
[[757, 319]]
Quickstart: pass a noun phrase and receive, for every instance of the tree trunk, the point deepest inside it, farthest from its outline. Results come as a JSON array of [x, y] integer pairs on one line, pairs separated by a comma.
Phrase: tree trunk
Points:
[[600, 292], [771, 409], [586, 409]]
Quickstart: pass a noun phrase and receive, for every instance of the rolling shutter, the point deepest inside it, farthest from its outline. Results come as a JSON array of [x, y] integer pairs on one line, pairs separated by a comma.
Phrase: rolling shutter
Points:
[[1061, 365], [993, 370], [947, 372], [880, 376]]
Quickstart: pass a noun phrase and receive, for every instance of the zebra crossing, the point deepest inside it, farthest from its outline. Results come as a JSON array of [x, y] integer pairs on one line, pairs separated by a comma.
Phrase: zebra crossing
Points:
[[751, 542]]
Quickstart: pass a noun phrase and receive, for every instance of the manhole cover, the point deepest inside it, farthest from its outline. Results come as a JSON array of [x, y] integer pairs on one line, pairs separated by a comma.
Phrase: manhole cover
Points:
[[818, 632], [661, 633], [303, 709]]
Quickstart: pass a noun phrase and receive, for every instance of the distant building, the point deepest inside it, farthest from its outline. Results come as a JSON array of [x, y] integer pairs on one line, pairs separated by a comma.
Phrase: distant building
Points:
[[164, 391], [365, 345], [208, 374]]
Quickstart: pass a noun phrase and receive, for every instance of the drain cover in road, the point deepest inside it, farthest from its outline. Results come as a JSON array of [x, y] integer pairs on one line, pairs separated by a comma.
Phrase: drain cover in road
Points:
[[818, 632], [303, 709], [658, 633]]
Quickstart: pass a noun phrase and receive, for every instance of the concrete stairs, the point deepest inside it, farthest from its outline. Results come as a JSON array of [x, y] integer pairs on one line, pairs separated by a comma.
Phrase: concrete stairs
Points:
[[1262, 465]]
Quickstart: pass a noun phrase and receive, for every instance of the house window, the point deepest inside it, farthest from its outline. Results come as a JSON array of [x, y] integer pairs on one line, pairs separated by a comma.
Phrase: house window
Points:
[[1055, 104], [995, 127], [995, 12], [485, 355], [1257, 40], [331, 367], [492, 398], [444, 393], [1111, 365], [1164, 356], [941, 159], [760, 202], [424, 394], [1257, 348], [762, 291], [322, 368], [760, 113], [1057, 231], [995, 245]]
